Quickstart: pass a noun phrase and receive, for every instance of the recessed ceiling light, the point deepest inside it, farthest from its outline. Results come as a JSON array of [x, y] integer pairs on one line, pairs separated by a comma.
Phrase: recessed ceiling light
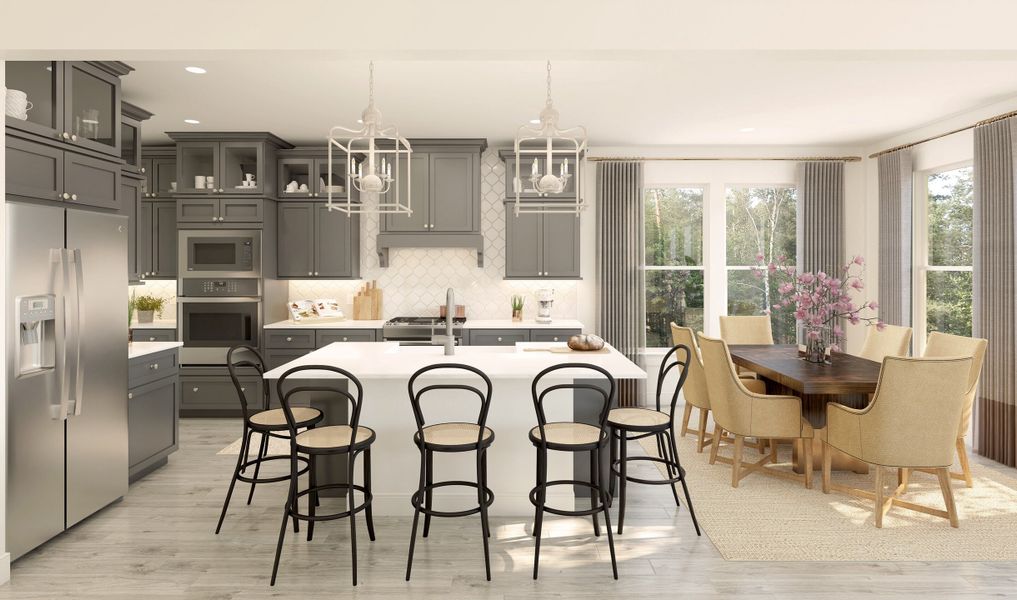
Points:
[[747, 129], [195, 70], [535, 121], [361, 121], [191, 121]]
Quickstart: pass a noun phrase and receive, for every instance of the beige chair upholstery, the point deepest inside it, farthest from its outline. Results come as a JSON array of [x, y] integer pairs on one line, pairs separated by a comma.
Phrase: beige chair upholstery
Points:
[[892, 341], [744, 413], [944, 344], [695, 391], [910, 423], [746, 330]]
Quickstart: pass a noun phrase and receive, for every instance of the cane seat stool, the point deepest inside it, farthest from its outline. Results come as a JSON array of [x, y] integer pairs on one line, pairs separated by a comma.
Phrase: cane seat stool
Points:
[[451, 437], [628, 424], [267, 423], [352, 440], [574, 437]]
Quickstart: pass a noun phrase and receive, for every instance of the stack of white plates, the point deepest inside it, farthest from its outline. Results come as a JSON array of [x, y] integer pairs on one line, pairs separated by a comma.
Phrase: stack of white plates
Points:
[[16, 104]]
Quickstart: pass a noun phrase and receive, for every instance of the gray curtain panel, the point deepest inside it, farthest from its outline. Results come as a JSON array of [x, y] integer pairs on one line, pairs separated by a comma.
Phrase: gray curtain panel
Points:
[[995, 301], [820, 221], [896, 185], [620, 258]]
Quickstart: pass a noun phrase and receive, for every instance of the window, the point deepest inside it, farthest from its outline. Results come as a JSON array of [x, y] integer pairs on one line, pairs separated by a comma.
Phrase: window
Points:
[[673, 225], [760, 220], [943, 254]]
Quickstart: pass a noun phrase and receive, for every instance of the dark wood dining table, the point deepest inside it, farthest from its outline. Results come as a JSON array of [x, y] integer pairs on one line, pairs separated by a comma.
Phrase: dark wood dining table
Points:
[[845, 379]]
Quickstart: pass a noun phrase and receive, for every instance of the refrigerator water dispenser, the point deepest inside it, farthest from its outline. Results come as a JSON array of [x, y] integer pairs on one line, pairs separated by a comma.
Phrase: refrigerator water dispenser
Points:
[[36, 347]]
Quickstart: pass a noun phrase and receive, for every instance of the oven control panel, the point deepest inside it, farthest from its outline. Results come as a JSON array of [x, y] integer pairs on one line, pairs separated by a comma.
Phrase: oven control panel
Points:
[[220, 288]]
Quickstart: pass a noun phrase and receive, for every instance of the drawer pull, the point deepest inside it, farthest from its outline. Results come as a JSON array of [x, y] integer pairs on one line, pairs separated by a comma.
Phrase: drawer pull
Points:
[[130, 395], [243, 389], [194, 389], [154, 366], [151, 338], [289, 339], [499, 338], [556, 338]]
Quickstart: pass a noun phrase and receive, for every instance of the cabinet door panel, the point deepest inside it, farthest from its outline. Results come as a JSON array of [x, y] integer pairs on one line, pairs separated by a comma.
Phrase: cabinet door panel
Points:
[[552, 335], [144, 245], [164, 247], [34, 170], [94, 182], [275, 357], [240, 159], [154, 335], [234, 210], [324, 337], [197, 210], [522, 243], [334, 241], [295, 239], [130, 200], [300, 170], [452, 192], [197, 159], [498, 337], [164, 174], [561, 245], [92, 107], [420, 187], [42, 82], [152, 419], [338, 181]]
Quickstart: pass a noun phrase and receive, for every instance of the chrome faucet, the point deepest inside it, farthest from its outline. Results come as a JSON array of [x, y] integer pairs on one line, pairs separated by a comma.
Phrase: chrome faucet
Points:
[[448, 339]]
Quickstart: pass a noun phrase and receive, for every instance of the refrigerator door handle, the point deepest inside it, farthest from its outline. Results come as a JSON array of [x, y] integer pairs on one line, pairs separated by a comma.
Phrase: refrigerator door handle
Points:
[[59, 275], [79, 310]]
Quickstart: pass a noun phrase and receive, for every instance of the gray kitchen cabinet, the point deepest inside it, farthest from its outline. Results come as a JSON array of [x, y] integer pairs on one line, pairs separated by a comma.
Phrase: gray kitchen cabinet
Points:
[[157, 239], [315, 242], [140, 334], [552, 335], [42, 171], [220, 210], [277, 357], [209, 392], [497, 337], [324, 337], [160, 175], [130, 201], [144, 235], [309, 167], [153, 404], [227, 157], [419, 187], [541, 246], [131, 118], [445, 194], [288, 339]]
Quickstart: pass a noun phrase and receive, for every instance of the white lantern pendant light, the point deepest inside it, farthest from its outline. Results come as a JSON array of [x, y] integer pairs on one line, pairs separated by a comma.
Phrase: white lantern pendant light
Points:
[[546, 141], [377, 147]]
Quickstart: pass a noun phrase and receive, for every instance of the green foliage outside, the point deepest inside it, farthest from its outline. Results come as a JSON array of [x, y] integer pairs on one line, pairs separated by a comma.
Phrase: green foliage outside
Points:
[[948, 293]]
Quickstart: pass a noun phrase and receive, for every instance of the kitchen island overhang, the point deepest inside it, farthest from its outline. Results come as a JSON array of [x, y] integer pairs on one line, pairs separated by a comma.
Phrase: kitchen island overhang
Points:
[[384, 368]]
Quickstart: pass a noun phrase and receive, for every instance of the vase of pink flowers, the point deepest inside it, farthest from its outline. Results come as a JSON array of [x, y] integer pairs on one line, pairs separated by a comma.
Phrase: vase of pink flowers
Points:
[[820, 302]]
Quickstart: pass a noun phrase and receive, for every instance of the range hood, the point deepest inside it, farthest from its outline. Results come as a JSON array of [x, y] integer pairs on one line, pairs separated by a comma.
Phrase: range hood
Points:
[[473, 241]]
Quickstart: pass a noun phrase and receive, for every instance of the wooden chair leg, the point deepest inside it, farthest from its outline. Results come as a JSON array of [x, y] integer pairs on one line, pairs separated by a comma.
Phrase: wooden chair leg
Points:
[[827, 462], [944, 485], [736, 463], [879, 496], [685, 418], [704, 413], [962, 457], [773, 451], [807, 443], [717, 433], [903, 479]]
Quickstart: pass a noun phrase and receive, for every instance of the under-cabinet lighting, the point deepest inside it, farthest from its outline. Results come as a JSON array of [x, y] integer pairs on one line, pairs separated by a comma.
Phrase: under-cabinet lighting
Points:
[[195, 70]]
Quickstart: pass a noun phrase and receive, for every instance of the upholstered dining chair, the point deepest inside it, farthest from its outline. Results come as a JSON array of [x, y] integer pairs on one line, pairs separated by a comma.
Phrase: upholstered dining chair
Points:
[[746, 329], [945, 344], [891, 341], [744, 413], [695, 391], [911, 423]]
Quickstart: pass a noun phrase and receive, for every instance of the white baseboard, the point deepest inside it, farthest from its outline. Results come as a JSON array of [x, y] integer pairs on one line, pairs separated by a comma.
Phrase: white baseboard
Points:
[[5, 567]]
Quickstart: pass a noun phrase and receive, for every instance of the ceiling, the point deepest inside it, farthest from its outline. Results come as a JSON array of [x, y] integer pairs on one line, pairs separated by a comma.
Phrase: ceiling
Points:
[[705, 100]]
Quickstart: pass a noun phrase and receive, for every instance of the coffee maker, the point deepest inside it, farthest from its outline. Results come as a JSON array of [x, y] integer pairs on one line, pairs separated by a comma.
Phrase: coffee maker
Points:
[[545, 298]]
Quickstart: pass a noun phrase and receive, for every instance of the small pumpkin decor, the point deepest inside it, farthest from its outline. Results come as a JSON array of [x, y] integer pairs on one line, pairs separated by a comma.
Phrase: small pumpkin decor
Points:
[[586, 342]]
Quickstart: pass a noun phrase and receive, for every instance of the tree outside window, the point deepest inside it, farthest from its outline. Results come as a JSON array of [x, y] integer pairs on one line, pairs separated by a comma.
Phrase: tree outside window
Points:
[[761, 221], [673, 226], [948, 270]]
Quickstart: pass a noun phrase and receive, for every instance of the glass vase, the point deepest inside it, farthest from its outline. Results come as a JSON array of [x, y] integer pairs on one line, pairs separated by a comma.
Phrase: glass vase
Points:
[[815, 346]]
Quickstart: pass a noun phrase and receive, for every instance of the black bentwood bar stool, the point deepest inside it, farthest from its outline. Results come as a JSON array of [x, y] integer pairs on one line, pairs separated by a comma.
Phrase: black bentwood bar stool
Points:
[[636, 423], [268, 423], [568, 436], [350, 440], [451, 437]]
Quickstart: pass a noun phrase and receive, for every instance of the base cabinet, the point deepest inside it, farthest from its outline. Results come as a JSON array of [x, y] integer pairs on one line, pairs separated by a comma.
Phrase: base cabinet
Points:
[[153, 404], [209, 392], [139, 334]]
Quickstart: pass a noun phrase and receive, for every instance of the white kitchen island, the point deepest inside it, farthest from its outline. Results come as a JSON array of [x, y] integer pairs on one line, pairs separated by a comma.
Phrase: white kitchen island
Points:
[[384, 369]]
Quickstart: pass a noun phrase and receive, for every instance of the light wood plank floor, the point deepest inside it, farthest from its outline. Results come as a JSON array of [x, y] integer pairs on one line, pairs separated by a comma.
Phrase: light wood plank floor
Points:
[[159, 543]]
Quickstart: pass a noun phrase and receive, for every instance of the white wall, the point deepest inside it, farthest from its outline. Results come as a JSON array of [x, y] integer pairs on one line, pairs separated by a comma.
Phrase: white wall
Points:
[[5, 557]]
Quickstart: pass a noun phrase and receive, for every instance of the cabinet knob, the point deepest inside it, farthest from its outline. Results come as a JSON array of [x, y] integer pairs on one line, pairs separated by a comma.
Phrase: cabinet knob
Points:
[[221, 190], [499, 338], [130, 395], [74, 196], [151, 339], [556, 338], [214, 219], [74, 138], [316, 273], [155, 194], [154, 366], [194, 389], [142, 169], [221, 219], [243, 389], [147, 195], [65, 135], [289, 339], [310, 272], [346, 339]]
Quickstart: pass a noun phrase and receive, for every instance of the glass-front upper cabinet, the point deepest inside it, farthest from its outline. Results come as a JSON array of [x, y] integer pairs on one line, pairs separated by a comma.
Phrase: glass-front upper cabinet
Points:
[[198, 168], [130, 143], [241, 170], [92, 108], [336, 181], [35, 96]]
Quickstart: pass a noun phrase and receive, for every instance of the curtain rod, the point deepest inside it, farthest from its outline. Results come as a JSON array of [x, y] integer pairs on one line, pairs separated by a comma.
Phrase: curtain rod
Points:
[[718, 158], [943, 135]]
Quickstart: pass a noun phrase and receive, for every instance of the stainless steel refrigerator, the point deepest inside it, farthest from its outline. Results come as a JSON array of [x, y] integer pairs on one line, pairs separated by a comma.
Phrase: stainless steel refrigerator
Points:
[[66, 368]]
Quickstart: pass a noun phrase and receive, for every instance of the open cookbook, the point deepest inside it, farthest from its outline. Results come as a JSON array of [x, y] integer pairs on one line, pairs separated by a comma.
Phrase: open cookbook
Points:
[[322, 308]]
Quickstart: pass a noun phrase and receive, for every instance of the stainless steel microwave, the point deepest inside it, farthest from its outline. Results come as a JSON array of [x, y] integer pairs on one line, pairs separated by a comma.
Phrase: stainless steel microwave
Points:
[[226, 253]]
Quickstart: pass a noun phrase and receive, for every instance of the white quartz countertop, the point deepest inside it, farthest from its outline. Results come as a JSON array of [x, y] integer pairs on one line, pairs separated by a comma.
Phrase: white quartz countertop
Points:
[[139, 349], [389, 360], [326, 324], [157, 324], [470, 324]]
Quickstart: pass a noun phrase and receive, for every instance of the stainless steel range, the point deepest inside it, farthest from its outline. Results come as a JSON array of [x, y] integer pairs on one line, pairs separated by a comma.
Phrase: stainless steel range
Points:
[[411, 331]]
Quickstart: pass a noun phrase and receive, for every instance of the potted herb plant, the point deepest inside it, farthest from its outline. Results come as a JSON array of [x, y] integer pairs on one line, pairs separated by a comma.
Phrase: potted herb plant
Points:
[[517, 307], [147, 307]]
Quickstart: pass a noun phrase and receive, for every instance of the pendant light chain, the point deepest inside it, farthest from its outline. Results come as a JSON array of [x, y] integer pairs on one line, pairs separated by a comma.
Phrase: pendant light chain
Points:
[[370, 85], [549, 83]]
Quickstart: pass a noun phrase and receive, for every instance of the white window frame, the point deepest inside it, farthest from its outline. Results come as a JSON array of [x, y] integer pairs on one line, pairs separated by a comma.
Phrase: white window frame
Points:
[[707, 311], [920, 253]]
